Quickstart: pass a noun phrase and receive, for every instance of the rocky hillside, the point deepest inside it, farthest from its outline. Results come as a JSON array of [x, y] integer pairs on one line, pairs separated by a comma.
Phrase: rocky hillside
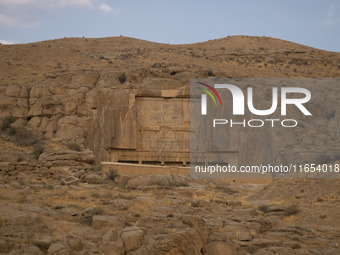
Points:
[[165, 215], [57, 111], [60, 89]]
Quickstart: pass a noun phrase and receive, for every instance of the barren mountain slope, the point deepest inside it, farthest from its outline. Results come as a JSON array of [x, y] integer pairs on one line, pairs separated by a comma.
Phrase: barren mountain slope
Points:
[[237, 56], [57, 87], [57, 110]]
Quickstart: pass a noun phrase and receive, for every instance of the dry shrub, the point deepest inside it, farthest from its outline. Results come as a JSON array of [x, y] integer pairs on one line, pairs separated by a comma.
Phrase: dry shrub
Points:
[[25, 137], [74, 146], [112, 174], [122, 78], [291, 210], [6, 122], [38, 149]]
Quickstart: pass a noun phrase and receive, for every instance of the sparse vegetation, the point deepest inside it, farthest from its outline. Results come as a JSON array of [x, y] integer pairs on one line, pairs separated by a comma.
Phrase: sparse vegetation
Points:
[[166, 70], [74, 146], [36, 189], [179, 184], [95, 195], [291, 210], [126, 56], [122, 78], [319, 199], [126, 197], [298, 62], [173, 184], [263, 208], [25, 137], [107, 195], [225, 189], [6, 122], [97, 168], [98, 210], [111, 174], [12, 130], [38, 149], [49, 186], [20, 158], [210, 73], [77, 207], [157, 65]]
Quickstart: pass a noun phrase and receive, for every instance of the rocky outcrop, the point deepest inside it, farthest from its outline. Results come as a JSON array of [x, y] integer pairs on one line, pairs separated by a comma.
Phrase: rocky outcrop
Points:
[[51, 164], [107, 101], [197, 217]]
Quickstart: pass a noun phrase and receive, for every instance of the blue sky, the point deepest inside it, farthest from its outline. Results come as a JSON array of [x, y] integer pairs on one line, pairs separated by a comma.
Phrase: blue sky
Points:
[[311, 22]]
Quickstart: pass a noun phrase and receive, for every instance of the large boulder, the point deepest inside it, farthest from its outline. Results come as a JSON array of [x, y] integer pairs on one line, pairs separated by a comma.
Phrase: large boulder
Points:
[[132, 238], [94, 179], [140, 181], [44, 242]]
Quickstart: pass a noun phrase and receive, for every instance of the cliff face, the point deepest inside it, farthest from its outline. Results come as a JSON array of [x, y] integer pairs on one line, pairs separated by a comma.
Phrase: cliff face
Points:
[[86, 90]]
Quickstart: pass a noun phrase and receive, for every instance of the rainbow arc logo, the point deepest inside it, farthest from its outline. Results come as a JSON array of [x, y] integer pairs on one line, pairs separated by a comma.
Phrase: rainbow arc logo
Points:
[[204, 97]]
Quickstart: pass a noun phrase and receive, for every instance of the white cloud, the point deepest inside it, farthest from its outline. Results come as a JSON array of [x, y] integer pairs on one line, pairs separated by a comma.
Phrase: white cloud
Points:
[[11, 2], [6, 42], [108, 9], [72, 2], [46, 3], [332, 15], [10, 21], [59, 3], [16, 7]]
